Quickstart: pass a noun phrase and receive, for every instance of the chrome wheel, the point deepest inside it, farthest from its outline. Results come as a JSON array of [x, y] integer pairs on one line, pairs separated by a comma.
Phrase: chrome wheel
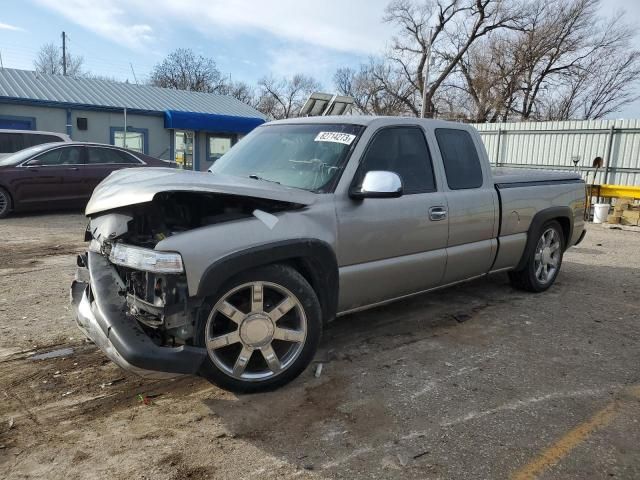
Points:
[[256, 331], [547, 256]]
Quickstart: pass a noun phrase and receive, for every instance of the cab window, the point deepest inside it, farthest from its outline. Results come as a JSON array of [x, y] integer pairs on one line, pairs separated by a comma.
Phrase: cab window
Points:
[[460, 158], [402, 150]]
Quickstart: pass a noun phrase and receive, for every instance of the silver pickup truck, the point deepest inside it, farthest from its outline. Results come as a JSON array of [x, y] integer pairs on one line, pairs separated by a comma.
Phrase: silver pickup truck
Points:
[[232, 274]]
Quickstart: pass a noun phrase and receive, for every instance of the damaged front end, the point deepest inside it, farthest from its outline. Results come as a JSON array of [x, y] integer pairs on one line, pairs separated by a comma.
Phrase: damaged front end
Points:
[[132, 300]]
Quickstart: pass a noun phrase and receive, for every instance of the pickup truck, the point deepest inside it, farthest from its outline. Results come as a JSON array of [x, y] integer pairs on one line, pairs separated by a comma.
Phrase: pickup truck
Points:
[[231, 274]]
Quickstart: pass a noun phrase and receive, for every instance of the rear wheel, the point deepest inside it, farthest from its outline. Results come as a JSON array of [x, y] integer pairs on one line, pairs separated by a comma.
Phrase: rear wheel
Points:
[[261, 331], [543, 264], [5, 203]]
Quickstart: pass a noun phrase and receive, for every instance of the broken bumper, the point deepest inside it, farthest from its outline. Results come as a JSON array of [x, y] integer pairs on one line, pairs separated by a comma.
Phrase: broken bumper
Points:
[[101, 316]]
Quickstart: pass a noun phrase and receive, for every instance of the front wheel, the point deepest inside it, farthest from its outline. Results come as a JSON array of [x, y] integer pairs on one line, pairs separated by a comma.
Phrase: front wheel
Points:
[[261, 330], [543, 264]]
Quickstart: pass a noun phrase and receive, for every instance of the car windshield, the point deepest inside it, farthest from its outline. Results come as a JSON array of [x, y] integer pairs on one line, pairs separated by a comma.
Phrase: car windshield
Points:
[[22, 155], [306, 156]]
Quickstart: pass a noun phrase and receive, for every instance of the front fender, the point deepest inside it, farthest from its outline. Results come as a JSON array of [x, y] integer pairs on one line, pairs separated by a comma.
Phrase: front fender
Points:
[[315, 259]]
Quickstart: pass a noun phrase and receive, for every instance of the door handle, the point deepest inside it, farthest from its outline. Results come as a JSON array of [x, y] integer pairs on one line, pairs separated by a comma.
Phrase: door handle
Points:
[[437, 213], [74, 169]]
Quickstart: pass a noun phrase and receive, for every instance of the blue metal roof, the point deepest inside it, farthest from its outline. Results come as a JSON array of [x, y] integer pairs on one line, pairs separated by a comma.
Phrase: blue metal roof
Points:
[[32, 87]]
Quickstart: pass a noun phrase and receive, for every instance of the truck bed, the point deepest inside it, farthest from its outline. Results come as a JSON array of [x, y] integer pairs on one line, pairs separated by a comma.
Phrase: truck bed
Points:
[[510, 177]]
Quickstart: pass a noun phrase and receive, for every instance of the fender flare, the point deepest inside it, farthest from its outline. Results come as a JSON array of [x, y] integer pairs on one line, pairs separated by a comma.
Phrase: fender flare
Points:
[[315, 260], [539, 219]]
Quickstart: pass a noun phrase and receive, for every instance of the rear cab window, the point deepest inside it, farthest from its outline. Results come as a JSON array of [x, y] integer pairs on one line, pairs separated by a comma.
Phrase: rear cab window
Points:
[[460, 157]]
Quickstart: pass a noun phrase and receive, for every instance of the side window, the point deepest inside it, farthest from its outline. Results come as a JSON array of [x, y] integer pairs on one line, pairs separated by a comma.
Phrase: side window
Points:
[[461, 162], [59, 156], [11, 142], [402, 150], [127, 158], [99, 155]]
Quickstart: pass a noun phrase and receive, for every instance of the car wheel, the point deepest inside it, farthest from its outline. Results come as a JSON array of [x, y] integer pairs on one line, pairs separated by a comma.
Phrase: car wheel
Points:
[[543, 264], [261, 330], [5, 203]]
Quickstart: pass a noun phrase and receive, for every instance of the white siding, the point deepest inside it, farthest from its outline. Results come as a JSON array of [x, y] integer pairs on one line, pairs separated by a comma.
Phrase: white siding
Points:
[[552, 145]]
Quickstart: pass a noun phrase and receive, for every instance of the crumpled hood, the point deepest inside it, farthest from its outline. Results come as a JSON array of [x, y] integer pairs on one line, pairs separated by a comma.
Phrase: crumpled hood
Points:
[[139, 185]]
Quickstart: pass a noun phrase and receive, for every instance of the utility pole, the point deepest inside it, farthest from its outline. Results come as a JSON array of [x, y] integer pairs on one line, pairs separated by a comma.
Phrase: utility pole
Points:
[[64, 54], [425, 81], [124, 140]]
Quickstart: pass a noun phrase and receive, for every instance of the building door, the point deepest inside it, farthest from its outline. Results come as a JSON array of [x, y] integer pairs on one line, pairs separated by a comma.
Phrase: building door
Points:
[[183, 150]]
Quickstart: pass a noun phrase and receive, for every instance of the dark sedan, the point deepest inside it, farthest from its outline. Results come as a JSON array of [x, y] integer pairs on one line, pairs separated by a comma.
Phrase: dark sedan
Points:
[[61, 175]]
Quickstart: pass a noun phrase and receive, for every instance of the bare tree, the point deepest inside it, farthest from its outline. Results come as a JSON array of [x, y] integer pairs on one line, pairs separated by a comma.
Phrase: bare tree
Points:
[[566, 62], [183, 70], [283, 98], [240, 90], [49, 60], [371, 97], [449, 28]]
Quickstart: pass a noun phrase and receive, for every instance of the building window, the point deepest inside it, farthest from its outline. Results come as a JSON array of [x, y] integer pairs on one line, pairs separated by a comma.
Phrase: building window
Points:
[[17, 123], [217, 146], [137, 139]]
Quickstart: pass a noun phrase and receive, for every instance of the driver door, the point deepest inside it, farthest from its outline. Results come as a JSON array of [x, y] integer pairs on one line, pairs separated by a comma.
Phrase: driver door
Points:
[[391, 247]]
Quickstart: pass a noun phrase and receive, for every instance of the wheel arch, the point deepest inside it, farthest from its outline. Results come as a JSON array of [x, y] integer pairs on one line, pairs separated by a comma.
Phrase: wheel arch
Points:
[[314, 259], [563, 215]]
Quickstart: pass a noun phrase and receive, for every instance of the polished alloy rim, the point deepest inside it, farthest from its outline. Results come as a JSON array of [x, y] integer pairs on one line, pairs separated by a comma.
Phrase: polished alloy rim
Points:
[[4, 202], [256, 331], [547, 258]]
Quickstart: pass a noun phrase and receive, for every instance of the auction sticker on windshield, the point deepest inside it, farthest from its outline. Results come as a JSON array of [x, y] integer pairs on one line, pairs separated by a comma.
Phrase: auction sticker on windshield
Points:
[[337, 137]]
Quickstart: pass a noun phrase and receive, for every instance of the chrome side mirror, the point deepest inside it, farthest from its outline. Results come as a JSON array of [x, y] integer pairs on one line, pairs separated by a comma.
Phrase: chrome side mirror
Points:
[[378, 184]]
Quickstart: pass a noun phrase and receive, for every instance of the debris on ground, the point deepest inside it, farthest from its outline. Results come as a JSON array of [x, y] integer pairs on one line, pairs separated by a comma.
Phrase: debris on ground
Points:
[[112, 382], [461, 317], [318, 371], [61, 352]]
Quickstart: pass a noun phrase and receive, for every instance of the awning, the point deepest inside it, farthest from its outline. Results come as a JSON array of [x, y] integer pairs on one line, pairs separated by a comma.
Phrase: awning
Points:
[[210, 122]]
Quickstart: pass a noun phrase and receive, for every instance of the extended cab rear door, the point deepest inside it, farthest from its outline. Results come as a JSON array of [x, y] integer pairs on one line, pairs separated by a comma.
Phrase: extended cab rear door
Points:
[[472, 204]]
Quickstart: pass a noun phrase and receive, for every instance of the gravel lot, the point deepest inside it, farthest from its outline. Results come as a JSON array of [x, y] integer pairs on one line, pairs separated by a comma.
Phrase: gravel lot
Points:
[[477, 381]]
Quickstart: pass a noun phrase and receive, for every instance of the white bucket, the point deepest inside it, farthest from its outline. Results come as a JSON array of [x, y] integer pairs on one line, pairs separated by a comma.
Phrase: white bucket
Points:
[[600, 212]]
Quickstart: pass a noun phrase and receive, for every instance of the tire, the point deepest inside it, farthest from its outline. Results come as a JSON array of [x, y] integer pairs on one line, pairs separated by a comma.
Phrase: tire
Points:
[[5, 203], [261, 329], [546, 256]]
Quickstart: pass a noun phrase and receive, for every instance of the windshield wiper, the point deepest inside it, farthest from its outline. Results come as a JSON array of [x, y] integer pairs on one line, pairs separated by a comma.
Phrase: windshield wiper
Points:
[[256, 177]]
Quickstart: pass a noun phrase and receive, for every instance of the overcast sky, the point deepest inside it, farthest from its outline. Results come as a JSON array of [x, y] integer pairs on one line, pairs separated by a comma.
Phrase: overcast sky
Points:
[[247, 39]]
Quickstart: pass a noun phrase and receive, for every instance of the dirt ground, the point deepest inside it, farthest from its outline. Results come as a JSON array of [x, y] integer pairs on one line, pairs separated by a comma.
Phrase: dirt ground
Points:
[[477, 381]]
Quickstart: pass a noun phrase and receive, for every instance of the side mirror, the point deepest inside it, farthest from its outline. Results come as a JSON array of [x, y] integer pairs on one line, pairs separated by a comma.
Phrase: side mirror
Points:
[[378, 184]]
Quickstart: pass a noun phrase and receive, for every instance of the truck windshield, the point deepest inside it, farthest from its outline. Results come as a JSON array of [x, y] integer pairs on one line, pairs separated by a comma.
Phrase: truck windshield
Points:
[[308, 156]]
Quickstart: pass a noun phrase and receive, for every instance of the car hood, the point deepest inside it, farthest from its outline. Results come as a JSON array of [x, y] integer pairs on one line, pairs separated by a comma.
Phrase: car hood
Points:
[[140, 185]]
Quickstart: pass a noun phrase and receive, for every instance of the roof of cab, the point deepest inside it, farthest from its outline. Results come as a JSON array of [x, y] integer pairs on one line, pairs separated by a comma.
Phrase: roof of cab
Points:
[[366, 120]]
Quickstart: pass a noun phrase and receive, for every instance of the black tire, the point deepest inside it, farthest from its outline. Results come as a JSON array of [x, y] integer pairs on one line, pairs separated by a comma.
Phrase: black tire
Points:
[[527, 278], [5, 203], [291, 280]]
